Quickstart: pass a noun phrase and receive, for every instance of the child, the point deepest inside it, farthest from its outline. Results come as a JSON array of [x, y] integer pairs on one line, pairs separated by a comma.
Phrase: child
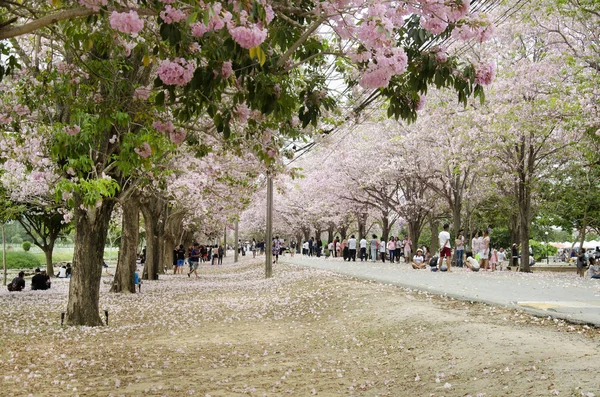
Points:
[[137, 281], [494, 259]]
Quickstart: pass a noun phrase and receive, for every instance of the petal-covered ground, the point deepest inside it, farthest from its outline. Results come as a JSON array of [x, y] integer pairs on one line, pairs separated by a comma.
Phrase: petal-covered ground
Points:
[[304, 332]]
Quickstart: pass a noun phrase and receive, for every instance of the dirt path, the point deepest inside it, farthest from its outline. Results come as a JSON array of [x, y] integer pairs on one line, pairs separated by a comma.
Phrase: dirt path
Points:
[[305, 332]]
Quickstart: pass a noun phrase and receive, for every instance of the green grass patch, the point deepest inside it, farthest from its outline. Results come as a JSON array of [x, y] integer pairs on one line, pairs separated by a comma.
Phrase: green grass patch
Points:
[[22, 260]]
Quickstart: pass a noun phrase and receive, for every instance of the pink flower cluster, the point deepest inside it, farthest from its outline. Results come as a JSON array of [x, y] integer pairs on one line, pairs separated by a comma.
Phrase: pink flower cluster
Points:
[[144, 151], [383, 67], [217, 22], [177, 72], [141, 93], [226, 70], [126, 22], [241, 112], [478, 26], [177, 136], [72, 130], [420, 104], [93, 4], [21, 110], [485, 73], [437, 15], [165, 128], [248, 37], [172, 15]]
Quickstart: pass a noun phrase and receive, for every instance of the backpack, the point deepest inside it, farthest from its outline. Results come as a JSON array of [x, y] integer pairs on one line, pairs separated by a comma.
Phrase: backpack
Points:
[[433, 262], [13, 286]]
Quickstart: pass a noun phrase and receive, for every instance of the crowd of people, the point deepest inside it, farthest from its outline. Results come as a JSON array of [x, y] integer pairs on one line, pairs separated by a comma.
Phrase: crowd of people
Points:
[[482, 254]]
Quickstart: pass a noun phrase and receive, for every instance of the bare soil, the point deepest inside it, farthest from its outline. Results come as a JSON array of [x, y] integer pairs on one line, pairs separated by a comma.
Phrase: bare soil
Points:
[[304, 332]]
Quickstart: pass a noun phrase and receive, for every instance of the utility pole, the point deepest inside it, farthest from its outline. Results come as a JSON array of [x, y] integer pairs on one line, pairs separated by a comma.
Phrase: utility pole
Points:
[[225, 242], [236, 254], [269, 231]]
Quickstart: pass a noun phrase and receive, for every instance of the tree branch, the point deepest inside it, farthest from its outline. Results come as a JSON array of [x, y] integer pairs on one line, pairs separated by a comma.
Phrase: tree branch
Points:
[[7, 33]]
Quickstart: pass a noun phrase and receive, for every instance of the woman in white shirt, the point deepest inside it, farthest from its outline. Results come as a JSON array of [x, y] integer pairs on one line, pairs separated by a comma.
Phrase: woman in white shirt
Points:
[[484, 250], [475, 243], [382, 250]]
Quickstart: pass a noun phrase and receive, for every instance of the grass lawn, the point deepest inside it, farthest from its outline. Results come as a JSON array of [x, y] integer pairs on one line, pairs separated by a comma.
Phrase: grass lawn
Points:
[[16, 258]]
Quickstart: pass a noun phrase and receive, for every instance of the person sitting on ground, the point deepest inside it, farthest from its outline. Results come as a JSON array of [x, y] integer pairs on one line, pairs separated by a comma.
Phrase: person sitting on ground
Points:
[[418, 261], [69, 270], [594, 269], [62, 272], [38, 281], [472, 264], [18, 283]]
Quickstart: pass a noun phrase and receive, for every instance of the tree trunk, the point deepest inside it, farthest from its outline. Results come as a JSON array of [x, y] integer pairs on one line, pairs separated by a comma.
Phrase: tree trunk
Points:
[[583, 230], [168, 246], [385, 228], [330, 231], [299, 242], [48, 255], [4, 252], [91, 228], [318, 233], [524, 199], [434, 226], [414, 232], [362, 227], [343, 229], [306, 232], [456, 216], [153, 210], [126, 263], [152, 248], [515, 230]]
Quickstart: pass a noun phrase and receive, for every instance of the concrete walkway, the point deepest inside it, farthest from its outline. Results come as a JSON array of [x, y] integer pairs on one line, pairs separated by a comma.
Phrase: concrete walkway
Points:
[[559, 295]]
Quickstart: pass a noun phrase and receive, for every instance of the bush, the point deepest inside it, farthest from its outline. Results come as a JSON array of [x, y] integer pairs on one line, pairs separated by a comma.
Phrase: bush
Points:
[[21, 260], [26, 246], [539, 250]]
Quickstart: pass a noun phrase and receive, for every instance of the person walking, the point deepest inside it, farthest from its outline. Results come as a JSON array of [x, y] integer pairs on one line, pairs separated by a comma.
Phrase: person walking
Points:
[[399, 249], [310, 246], [363, 249], [194, 259], [514, 253], [407, 244], [373, 246], [336, 243], [445, 248], [382, 247], [352, 248], [221, 253], [276, 245], [475, 245], [484, 250], [581, 262], [392, 248], [460, 248]]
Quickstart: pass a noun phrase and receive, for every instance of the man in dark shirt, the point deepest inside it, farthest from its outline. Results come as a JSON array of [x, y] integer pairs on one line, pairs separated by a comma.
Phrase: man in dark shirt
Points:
[[39, 281], [18, 283]]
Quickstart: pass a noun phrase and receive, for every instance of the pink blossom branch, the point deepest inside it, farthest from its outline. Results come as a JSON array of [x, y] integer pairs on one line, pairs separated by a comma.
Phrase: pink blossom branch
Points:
[[7, 33]]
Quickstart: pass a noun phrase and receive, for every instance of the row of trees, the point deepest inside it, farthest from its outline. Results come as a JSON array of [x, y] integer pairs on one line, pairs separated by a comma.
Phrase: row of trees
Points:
[[528, 155], [174, 107]]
